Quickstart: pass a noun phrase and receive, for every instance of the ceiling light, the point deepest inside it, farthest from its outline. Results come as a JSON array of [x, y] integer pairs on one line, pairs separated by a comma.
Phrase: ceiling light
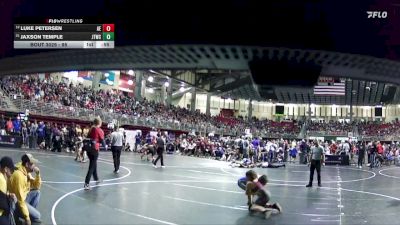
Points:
[[166, 84], [130, 82], [130, 72], [150, 90], [106, 74], [181, 89], [150, 79]]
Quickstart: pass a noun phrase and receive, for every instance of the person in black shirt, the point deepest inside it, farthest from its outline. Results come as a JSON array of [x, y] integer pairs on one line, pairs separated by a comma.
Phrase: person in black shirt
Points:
[[160, 149], [2, 123], [47, 138], [361, 154], [372, 155]]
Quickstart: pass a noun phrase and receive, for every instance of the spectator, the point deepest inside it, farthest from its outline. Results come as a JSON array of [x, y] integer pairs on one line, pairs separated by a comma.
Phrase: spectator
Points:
[[7, 200], [3, 123], [9, 126], [26, 188]]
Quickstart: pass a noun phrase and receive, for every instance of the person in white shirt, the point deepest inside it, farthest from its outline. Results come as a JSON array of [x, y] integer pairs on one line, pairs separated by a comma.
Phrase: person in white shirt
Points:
[[116, 147], [346, 147], [183, 146], [246, 147], [272, 151], [191, 147]]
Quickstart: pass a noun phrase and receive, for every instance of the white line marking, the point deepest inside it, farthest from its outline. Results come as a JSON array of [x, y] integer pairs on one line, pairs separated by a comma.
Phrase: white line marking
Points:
[[67, 156], [272, 184], [209, 189], [149, 164], [190, 177], [371, 193], [380, 172], [198, 171], [322, 203], [81, 182], [340, 197], [58, 190], [205, 203], [144, 217], [60, 171], [326, 221], [53, 208], [298, 181], [316, 215], [200, 181]]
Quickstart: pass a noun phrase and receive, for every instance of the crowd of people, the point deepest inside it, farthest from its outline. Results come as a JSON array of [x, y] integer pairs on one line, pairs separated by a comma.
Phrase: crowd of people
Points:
[[78, 96], [378, 130], [330, 128], [114, 101]]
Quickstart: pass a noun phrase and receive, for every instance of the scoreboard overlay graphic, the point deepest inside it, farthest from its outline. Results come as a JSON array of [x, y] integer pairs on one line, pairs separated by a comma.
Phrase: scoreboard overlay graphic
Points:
[[63, 36]]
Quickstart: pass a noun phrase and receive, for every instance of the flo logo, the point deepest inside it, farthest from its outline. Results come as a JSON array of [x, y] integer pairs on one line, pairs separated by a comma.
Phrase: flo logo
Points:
[[377, 14]]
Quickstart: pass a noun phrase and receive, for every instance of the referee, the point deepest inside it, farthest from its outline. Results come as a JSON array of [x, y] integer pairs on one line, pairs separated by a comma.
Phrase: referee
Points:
[[316, 158], [160, 149], [116, 147]]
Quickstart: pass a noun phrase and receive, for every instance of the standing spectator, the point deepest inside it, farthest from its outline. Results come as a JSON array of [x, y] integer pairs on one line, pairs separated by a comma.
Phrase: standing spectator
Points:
[[71, 134], [33, 135], [80, 155], [48, 133], [96, 136], [85, 131], [9, 126], [361, 154], [256, 147], [246, 147], [17, 126], [116, 147], [25, 135], [372, 155], [137, 141], [2, 125], [160, 148], [40, 134], [57, 139], [285, 151], [26, 188]]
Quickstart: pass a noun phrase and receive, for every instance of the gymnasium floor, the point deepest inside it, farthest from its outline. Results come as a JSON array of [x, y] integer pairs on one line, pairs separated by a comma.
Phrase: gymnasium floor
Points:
[[201, 191]]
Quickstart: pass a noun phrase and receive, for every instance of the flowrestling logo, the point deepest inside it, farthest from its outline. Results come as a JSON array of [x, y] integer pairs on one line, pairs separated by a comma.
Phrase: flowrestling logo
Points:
[[377, 14]]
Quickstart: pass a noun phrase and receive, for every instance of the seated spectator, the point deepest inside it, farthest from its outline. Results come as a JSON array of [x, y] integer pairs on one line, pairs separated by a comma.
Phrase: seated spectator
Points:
[[7, 200], [26, 188]]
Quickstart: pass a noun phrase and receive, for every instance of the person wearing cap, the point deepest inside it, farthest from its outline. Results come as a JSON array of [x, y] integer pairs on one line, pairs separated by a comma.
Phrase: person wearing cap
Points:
[[26, 188], [96, 136], [7, 199]]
